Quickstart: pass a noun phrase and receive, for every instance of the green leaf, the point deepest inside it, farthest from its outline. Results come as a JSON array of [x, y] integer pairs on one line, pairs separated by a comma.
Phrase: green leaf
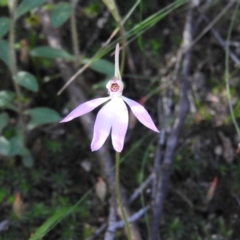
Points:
[[16, 145], [42, 115], [4, 119], [26, 80], [5, 98], [4, 26], [4, 146], [60, 14], [51, 222], [3, 3], [52, 53], [27, 158], [28, 5], [17, 148], [57, 217], [102, 66], [5, 52]]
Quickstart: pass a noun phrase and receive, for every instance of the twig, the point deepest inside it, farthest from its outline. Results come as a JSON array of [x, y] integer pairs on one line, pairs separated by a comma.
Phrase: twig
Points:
[[173, 139], [101, 22], [75, 41], [133, 227], [130, 60], [112, 218], [117, 225], [161, 143], [132, 219], [184, 197], [139, 190], [167, 110], [222, 42], [123, 22], [98, 232], [136, 193], [211, 24], [4, 225]]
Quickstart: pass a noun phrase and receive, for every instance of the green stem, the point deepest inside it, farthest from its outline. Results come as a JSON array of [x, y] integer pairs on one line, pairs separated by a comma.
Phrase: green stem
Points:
[[13, 64], [119, 199], [227, 71]]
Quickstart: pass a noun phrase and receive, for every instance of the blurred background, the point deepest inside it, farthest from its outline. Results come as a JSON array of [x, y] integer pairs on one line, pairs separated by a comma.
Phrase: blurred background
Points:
[[181, 62]]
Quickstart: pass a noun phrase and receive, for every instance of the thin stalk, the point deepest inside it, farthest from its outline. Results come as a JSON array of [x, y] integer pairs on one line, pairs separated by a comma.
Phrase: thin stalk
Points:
[[227, 71], [119, 199], [13, 64], [75, 41]]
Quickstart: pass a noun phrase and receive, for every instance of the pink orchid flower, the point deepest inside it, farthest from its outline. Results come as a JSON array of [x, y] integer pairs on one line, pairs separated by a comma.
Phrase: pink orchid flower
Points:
[[114, 114]]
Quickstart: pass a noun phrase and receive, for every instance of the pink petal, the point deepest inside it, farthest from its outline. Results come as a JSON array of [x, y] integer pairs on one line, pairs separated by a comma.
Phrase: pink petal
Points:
[[141, 114], [120, 124], [102, 126], [85, 108]]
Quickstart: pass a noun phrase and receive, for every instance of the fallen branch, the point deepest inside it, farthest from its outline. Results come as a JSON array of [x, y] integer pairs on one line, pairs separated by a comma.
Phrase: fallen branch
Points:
[[174, 136]]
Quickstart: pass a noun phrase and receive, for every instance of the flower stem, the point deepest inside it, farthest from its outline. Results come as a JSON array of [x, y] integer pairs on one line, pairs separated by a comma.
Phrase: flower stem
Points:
[[119, 199]]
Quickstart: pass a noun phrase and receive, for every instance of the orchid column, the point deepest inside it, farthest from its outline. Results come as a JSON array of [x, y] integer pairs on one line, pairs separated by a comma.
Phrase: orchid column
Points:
[[113, 116]]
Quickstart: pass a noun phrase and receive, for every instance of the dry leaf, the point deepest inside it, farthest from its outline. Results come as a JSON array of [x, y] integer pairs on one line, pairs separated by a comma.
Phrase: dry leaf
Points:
[[228, 151], [86, 165], [111, 5], [212, 189], [18, 205], [101, 189], [24, 51]]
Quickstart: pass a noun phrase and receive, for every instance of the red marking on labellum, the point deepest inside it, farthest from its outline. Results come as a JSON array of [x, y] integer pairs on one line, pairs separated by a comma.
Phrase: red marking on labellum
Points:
[[114, 87]]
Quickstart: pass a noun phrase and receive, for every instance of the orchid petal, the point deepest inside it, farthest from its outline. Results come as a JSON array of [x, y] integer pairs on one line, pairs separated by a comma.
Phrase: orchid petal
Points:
[[120, 124], [102, 126], [141, 114], [85, 108]]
